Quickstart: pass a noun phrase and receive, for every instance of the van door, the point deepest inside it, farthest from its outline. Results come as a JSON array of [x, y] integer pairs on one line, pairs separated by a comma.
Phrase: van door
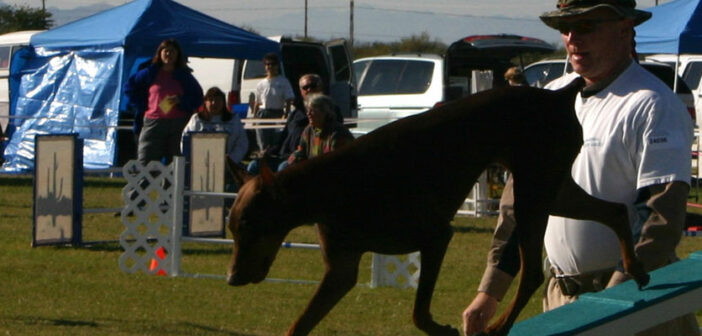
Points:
[[342, 82]]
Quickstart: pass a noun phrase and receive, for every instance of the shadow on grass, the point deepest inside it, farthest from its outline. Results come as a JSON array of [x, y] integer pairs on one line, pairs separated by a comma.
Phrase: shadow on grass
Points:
[[125, 325], [35, 320], [15, 181], [472, 229], [213, 330]]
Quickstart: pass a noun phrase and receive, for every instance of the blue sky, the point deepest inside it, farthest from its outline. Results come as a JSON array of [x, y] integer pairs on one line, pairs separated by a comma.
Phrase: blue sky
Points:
[[387, 20]]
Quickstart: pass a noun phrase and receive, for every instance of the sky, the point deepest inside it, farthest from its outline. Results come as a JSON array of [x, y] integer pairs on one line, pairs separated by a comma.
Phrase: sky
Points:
[[387, 20]]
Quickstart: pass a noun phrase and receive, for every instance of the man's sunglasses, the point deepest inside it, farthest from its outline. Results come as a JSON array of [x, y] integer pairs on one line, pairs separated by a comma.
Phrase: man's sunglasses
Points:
[[270, 64], [309, 86], [581, 26]]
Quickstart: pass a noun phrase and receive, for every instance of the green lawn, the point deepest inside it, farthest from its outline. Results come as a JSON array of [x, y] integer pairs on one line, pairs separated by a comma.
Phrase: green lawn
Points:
[[82, 291]]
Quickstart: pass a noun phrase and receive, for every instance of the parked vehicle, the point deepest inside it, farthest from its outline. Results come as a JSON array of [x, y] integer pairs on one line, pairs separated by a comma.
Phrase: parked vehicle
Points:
[[9, 44], [541, 73], [330, 60], [689, 69], [395, 86]]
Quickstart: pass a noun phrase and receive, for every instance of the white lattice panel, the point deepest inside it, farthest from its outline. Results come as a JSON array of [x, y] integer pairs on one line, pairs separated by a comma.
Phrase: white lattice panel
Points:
[[146, 217], [396, 271]]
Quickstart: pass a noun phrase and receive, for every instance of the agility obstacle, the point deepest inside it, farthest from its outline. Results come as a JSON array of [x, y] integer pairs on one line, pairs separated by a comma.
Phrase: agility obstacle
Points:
[[58, 190], [674, 290]]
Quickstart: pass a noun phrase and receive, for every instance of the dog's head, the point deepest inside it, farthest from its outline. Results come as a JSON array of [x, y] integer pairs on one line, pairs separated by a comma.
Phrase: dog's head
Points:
[[256, 221]]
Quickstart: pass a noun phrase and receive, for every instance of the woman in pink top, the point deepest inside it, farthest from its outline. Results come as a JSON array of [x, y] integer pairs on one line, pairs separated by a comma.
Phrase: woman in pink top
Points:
[[164, 94]]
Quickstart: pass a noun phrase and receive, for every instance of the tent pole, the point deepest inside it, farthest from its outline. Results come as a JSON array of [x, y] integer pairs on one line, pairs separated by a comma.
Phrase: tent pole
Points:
[[675, 79]]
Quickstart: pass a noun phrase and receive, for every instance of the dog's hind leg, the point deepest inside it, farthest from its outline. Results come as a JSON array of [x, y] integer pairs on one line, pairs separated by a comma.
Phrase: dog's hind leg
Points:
[[574, 202], [432, 257], [339, 278]]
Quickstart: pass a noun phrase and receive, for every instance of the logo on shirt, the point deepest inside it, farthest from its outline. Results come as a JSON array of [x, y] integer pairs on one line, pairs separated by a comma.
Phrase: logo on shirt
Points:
[[592, 142], [657, 140]]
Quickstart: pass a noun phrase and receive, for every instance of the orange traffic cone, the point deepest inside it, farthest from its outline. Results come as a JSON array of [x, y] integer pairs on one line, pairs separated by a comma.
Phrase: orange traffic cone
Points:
[[161, 255]]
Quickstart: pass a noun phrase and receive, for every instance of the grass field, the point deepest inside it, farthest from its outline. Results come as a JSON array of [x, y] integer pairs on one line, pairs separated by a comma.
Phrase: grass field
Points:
[[82, 291]]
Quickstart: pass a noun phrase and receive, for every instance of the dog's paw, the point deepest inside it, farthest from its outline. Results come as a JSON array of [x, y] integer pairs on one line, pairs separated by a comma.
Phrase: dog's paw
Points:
[[642, 280], [636, 271]]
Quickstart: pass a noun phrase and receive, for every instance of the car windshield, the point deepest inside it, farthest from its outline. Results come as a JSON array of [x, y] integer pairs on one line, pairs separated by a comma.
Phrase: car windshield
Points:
[[384, 77]]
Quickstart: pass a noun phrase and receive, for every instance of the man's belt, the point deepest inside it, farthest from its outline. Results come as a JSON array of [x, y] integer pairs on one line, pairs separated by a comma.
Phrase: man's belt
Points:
[[573, 285]]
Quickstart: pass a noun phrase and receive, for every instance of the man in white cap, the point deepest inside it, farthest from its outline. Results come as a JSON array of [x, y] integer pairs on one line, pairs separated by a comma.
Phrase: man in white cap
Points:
[[637, 139]]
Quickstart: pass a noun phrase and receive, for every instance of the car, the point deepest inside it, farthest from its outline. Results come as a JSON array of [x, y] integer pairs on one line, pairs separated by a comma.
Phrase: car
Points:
[[540, 73], [393, 87], [398, 85]]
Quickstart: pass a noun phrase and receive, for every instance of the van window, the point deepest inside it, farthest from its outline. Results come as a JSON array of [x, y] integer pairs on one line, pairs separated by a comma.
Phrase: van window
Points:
[[397, 77], [4, 57], [254, 69], [692, 75], [341, 61]]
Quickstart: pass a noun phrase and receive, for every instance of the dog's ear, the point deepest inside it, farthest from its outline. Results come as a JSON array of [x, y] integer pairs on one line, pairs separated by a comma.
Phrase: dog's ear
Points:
[[238, 172], [267, 174]]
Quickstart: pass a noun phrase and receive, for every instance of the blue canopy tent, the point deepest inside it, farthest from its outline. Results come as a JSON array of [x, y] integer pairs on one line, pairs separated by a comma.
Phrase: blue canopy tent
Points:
[[70, 78], [674, 28]]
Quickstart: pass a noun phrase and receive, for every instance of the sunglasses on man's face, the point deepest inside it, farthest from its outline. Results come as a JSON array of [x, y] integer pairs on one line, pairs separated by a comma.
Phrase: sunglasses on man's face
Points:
[[270, 64], [582, 26], [309, 86]]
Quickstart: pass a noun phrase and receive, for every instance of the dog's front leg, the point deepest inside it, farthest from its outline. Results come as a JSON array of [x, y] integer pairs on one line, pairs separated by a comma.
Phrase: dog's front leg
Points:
[[573, 202], [432, 257], [339, 278]]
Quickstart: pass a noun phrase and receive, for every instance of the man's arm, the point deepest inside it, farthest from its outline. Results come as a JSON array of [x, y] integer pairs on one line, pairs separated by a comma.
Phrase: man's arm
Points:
[[502, 266], [664, 213]]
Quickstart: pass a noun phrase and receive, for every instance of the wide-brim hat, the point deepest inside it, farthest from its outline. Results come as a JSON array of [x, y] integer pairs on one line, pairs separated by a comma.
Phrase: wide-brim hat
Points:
[[569, 8]]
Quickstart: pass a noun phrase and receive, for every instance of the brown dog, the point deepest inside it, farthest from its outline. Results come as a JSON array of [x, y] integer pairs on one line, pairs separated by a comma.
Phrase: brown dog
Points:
[[396, 190]]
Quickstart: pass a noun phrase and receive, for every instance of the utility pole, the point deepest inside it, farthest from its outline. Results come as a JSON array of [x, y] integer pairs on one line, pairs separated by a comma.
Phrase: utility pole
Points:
[[43, 5], [351, 26], [305, 19]]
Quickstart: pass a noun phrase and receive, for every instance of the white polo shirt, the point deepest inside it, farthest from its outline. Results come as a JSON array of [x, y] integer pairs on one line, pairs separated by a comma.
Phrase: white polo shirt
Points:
[[636, 133]]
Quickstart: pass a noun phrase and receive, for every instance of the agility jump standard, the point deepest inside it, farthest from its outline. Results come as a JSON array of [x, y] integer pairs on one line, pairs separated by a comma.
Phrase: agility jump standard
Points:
[[624, 309]]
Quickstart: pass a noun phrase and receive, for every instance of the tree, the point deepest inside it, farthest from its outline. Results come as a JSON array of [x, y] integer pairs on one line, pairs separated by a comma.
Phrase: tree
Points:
[[421, 43], [14, 18]]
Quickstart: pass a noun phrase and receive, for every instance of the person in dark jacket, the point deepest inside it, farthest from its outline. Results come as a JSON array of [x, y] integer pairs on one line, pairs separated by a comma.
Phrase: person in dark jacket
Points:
[[164, 95]]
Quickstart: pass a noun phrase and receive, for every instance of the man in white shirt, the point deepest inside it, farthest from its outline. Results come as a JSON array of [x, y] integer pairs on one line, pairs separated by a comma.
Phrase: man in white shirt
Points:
[[274, 96], [637, 139]]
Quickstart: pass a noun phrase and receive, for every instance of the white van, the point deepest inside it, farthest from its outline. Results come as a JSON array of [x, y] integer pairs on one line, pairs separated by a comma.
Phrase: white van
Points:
[[238, 78], [330, 60], [9, 44]]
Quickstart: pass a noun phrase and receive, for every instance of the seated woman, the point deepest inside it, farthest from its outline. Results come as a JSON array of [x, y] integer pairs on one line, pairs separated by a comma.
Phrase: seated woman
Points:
[[216, 118], [324, 133]]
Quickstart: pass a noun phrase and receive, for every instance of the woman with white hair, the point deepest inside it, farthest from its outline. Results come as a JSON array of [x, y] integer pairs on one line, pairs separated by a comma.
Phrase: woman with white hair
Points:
[[324, 133]]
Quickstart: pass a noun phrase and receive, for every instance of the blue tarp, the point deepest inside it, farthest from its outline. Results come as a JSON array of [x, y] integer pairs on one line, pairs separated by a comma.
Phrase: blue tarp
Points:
[[674, 28], [70, 78]]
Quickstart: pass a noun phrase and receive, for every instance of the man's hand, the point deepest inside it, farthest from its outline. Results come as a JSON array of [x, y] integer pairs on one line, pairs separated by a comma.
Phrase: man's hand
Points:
[[479, 313]]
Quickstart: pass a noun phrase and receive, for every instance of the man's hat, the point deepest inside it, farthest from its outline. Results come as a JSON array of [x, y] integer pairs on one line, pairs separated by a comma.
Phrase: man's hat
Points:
[[569, 8]]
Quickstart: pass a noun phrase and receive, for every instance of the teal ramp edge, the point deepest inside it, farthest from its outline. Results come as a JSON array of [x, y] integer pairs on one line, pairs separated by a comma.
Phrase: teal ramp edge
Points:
[[674, 290]]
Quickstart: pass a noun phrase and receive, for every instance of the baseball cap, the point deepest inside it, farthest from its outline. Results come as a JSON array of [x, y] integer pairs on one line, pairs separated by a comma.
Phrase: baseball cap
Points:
[[570, 8]]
